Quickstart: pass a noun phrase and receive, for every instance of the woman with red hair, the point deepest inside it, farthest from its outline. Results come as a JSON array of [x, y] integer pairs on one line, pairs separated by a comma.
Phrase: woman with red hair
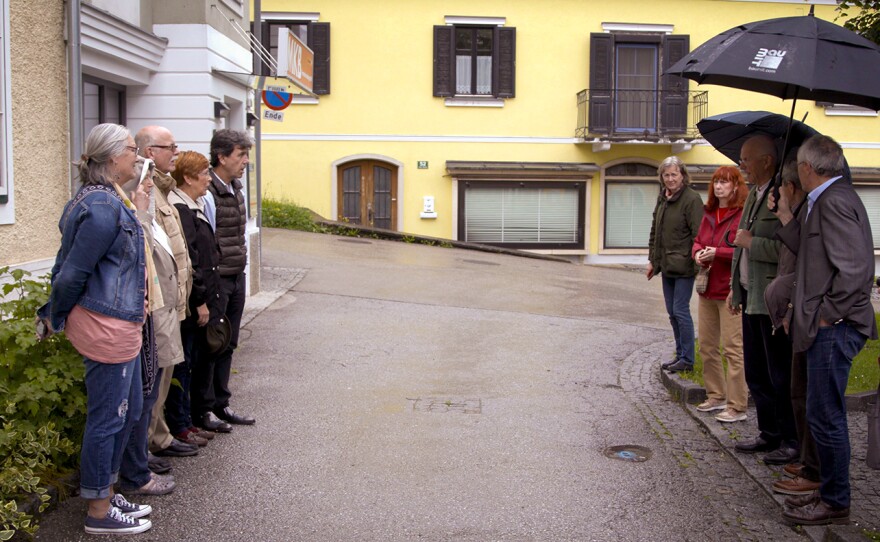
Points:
[[720, 331]]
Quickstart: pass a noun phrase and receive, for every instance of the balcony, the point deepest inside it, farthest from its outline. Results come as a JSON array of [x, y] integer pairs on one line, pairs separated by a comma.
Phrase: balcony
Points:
[[661, 116]]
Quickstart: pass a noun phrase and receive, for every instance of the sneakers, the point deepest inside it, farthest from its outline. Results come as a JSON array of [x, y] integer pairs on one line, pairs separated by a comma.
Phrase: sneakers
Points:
[[730, 415], [712, 404], [115, 522], [129, 508]]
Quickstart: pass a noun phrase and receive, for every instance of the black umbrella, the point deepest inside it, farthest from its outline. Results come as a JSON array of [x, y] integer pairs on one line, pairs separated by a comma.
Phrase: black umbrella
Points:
[[727, 132], [791, 57]]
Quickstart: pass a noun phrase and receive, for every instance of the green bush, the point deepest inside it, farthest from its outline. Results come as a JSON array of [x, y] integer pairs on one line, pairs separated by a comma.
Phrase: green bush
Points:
[[42, 400], [288, 215]]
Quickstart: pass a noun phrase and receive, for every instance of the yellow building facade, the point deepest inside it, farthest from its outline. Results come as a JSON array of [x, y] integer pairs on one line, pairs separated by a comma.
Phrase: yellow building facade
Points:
[[534, 125]]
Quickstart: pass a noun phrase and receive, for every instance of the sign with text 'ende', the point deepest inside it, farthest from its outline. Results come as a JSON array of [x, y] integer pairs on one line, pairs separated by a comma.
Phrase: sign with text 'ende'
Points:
[[296, 61]]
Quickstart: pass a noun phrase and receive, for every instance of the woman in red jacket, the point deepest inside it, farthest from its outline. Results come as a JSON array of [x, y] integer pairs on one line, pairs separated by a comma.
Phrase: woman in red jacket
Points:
[[717, 328]]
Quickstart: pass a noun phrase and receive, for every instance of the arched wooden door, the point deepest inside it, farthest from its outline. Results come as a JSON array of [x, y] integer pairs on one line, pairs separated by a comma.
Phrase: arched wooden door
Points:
[[367, 194]]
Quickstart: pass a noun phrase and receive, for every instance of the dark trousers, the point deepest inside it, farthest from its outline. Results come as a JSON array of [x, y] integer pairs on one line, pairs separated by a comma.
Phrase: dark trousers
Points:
[[177, 405], [809, 455], [134, 472], [829, 360], [767, 359], [210, 384]]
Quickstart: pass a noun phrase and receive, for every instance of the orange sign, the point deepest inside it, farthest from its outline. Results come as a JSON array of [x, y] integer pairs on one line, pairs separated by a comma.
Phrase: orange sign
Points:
[[296, 61]]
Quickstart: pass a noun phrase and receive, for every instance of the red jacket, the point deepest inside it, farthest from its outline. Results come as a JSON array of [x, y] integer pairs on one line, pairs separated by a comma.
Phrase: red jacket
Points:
[[711, 234]]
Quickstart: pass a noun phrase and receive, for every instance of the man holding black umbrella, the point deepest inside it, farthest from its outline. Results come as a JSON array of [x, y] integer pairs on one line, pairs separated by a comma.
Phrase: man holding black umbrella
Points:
[[767, 355], [832, 316]]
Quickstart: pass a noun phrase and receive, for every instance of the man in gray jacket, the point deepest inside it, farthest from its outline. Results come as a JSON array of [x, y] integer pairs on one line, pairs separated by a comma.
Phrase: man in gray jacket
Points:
[[832, 316]]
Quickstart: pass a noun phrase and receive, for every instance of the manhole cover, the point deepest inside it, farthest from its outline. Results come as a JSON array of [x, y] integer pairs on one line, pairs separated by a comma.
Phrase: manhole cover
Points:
[[446, 404], [358, 241], [629, 452]]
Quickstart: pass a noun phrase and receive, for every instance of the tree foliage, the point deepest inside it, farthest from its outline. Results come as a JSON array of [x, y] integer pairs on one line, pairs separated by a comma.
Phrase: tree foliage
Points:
[[862, 16]]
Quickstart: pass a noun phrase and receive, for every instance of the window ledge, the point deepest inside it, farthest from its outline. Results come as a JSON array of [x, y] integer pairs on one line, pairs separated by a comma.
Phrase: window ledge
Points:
[[462, 101], [303, 99], [848, 111]]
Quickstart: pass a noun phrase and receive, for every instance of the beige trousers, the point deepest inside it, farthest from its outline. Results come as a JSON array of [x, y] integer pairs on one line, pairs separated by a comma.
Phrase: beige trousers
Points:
[[718, 329], [160, 435]]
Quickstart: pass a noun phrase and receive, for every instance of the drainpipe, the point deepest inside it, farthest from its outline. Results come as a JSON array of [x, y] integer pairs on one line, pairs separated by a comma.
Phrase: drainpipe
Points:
[[74, 88], [258, 131]]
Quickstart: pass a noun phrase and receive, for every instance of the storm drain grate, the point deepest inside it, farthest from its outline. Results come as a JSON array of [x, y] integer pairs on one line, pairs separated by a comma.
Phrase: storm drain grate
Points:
[[629, 452], [358, 241], [440, 405]]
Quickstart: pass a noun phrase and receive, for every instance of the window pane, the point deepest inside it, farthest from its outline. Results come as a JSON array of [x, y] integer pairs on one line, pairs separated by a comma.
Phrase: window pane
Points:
[[871, 198], [464, 40], [521, 215], [91, 107], [484, 75], [636, 87], [629, 209], [111, 106], [463, 74], [484, 41]]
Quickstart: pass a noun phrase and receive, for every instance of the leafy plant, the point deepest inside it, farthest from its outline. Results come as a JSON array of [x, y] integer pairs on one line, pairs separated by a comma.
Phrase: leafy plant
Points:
[[866, 21], [288, 215], [29, 458], [42, 401]]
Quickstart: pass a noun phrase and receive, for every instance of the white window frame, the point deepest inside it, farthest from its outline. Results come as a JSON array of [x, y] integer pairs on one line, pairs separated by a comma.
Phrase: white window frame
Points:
[[7, 193]]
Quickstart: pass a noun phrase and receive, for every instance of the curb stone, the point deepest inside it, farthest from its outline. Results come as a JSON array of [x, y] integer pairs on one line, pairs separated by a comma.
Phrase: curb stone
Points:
[[689, 393]]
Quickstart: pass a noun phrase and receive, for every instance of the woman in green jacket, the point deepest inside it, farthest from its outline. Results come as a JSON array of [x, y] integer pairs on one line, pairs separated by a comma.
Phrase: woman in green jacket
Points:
[[676, 222]]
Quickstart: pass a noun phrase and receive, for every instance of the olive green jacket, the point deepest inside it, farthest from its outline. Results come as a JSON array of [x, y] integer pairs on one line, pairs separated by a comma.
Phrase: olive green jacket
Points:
[[763, 255], [676, 222]]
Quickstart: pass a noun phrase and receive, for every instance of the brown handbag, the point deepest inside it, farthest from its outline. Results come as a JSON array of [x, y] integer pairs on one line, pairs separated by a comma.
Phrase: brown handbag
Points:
[[701, 283]]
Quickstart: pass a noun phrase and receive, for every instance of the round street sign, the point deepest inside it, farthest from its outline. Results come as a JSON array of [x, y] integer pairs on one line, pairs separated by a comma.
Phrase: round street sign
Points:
[[277, 101]]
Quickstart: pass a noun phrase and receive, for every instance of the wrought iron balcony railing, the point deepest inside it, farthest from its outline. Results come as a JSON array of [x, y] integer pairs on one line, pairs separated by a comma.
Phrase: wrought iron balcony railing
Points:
[[643, 114]]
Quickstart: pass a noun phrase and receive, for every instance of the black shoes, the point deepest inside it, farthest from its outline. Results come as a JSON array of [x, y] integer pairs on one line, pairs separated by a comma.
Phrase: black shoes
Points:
[[679, 367], [212, 423], [757, 444], [668, 364], [158, 465], [178, 449], [782, 456], [230, 416]]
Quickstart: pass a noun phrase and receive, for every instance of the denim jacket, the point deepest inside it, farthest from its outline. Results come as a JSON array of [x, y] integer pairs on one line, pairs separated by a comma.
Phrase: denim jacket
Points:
[[101, 264]]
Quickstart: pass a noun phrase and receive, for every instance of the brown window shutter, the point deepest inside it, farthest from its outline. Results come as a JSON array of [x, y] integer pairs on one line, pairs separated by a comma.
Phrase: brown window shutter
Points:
[[601, 82], [674, 90], [319, 43], [504, 62], [444, 60]]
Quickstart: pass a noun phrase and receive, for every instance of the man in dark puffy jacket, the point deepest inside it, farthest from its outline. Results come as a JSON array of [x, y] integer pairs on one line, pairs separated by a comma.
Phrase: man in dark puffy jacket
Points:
[[229, 158]]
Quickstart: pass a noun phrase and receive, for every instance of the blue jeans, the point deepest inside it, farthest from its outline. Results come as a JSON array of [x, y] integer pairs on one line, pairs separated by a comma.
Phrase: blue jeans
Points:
[[829, 360], [677, 294], [115, 400], [134, 472]]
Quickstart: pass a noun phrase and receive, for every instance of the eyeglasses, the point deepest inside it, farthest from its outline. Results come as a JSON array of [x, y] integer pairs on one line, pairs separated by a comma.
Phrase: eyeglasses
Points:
[[173, 147], [132, 148]]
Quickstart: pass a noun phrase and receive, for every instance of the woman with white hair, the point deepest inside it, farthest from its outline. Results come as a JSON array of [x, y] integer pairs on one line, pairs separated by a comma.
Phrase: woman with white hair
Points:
[[101, 281]]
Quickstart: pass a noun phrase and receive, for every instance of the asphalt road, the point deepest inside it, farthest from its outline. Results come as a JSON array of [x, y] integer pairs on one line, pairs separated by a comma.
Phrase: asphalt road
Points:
[[407, 392]]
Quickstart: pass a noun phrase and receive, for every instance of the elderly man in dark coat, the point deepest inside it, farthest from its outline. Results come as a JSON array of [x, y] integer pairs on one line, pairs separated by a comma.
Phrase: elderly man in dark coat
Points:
[[832, 316]]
